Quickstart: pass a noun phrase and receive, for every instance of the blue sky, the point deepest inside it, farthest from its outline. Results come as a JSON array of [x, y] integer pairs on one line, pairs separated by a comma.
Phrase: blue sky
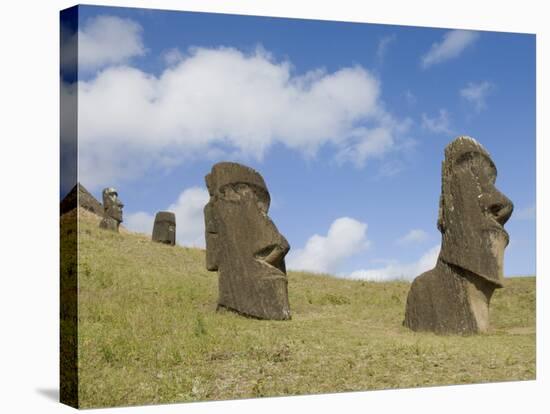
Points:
[[346, 122]]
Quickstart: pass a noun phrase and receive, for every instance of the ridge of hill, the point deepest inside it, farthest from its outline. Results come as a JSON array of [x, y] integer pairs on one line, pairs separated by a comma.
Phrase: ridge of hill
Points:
[[81, 196], [149, 332]]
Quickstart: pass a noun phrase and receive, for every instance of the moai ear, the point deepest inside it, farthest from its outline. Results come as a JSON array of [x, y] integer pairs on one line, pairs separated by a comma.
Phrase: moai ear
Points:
[[211, 237]]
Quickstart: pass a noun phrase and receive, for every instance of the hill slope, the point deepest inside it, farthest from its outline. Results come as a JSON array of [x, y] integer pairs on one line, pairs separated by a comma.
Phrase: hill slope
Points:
[[149, 332]]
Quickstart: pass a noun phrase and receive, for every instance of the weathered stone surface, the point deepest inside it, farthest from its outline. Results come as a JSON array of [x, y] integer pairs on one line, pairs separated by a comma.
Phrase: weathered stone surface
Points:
[[454, 296], [244, 245], [164, 229], [79, 195], [112, 210]]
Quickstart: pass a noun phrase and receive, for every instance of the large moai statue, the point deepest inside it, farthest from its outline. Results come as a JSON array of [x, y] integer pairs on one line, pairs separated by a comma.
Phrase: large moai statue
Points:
[[243, 244], [112, 210], [164, 229], [454, 296]]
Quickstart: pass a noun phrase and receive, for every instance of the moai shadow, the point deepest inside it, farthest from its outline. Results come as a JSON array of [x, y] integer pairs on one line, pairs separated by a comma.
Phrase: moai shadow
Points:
[[112, 210], [164, 229], [244, 245], [454, 296]]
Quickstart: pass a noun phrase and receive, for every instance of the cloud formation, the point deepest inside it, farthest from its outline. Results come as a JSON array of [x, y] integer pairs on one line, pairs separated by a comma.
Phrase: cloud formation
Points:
[[451, 46], [383, 45], [324, 254], [214, 102], [476, 93], [366, 144], [413, 236], [406, 271], [438, 124], [107, 40], [172, 56], [140, 222], [189, 216], [188, 209]]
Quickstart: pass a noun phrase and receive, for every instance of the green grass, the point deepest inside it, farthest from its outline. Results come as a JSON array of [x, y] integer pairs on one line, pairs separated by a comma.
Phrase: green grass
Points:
[[149, 333]]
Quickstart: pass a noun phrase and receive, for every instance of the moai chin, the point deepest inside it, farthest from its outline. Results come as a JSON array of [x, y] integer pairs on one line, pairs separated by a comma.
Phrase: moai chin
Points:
[[112, 210], [454, 296], [244, 245], [164, 229]]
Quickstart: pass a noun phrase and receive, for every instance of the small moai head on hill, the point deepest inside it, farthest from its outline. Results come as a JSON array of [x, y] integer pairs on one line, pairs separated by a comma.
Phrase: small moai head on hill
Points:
[[112, 209], [244, 245], [164, 229], [472, 212]]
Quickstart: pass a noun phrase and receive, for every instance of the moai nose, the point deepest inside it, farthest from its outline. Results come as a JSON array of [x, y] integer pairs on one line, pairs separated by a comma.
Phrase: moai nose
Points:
[[500, 207], [285, 247]]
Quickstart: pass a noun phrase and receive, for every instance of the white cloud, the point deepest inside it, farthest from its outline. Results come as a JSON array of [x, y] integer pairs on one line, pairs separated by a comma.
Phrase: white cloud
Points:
[[453, 44], [188, 209], [383, 45], [106, 40], [139, 222], [407, 271], [526, 213], [324, 254], [172, 56], [189, 216], [369, 143], [222, 101], [413, 236], [476, 93], [438, 124]]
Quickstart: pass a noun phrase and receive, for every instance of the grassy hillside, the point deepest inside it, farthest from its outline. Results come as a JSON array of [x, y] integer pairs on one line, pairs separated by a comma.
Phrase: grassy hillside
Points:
[[149, 332]]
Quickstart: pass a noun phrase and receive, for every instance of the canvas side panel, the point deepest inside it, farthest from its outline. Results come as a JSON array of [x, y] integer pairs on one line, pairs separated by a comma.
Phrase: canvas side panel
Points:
[[68, 208]]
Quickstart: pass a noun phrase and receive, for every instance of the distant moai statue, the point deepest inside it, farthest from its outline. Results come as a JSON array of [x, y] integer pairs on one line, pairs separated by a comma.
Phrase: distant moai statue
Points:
[[164, 229], [112, 210], [454, 296], [244, 245]]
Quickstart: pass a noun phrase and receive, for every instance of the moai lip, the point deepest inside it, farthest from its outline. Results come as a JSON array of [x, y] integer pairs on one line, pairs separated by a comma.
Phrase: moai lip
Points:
[[454, 297], [164, 229], [112, 210], [244, 245]]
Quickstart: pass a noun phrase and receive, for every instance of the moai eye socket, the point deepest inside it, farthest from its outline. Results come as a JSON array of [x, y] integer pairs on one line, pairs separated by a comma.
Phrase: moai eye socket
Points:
[[243, 192]]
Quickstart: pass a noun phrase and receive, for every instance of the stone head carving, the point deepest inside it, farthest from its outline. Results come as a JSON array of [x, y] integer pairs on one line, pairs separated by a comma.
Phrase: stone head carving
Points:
[[472, 212], [164, 229], [454, 296], [243, 244], [112, 209]]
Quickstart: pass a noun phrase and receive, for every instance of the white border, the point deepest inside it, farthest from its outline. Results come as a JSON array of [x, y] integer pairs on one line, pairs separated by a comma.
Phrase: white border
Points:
[[30, 171]]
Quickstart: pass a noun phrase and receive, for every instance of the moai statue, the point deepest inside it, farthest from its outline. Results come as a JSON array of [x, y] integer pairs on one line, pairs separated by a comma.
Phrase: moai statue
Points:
[[243, 244], [454, 296], [164, 230], [112, 210]]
